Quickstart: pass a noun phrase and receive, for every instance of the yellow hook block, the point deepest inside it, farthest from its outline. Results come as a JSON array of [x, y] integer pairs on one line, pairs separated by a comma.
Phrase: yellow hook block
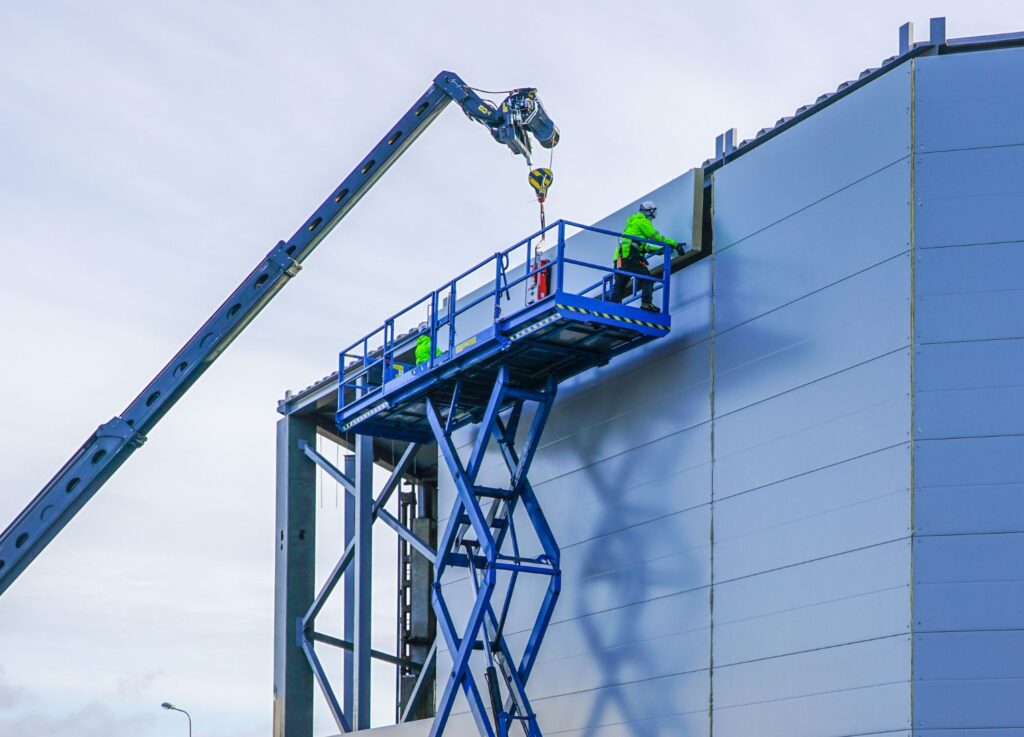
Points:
[[540, 180]]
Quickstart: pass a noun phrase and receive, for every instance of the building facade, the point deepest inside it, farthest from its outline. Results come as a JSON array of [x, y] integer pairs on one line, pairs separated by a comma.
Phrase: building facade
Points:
[[801, 514]]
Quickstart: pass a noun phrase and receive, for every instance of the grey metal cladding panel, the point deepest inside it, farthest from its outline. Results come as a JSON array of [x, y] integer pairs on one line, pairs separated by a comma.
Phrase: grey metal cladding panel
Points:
[[969, 508], [855, 618], [849, 414], [692, 725], [680, 700], [854, 229], [608, 666], [974, 732], [970, 293], [641, 626], [962, 558], [969, 389], [653, 559], [969, 461], [673, 390], [969, 100], [971, 196], [845, 667], [686, 694], [410, 729], [969, 581], [858, 319], [858, 503], [968, 605], [964, 366], [970, 412], [630, 434], [942, 656], [958, 704], [883, 709], [969, 485], [627, 486], [645, 562], [601, 499], [969, 679], [824, 602], [832, 149]]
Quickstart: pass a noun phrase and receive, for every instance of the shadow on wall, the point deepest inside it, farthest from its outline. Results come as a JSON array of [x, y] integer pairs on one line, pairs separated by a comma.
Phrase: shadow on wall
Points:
[[621, 574]]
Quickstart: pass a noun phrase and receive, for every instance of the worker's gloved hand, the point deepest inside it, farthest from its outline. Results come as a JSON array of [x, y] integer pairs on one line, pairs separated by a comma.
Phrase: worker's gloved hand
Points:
[[681, 248]]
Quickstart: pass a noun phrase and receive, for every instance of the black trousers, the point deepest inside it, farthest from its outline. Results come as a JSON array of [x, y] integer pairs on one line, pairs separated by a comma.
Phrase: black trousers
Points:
[[622, 285]]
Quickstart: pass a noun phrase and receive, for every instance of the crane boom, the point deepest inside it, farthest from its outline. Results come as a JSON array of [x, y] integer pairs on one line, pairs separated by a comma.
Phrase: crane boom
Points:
[[511, 123]]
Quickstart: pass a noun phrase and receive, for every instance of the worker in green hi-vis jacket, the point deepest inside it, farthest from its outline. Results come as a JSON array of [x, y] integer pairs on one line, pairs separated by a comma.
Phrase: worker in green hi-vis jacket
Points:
[[423, 349], [631, 255]]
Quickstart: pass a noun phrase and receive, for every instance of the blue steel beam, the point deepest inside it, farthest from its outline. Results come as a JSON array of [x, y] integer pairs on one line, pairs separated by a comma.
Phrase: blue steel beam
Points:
[[339, 716], [362, 571]]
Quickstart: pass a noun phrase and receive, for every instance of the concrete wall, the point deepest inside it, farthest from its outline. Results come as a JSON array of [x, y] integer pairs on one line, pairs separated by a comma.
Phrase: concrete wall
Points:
[[800, 514], [969, 395]]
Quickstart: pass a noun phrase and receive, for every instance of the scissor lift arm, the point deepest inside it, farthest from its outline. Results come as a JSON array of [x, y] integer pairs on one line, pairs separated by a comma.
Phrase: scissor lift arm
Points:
[[511, 123]]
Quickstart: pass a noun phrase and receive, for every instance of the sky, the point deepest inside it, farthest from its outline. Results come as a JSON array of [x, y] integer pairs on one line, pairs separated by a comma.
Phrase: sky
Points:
[[150, 155]]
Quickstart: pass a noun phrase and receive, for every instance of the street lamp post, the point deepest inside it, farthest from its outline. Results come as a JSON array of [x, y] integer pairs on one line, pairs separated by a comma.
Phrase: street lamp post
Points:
[[172, 707]]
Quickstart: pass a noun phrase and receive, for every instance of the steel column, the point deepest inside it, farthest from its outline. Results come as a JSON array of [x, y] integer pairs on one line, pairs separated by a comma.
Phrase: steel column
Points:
[[349, 595], [295, 543], [363, 581]]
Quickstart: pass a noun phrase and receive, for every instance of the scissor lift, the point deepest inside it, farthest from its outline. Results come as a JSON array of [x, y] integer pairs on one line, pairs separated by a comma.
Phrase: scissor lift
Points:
[[489, 378]]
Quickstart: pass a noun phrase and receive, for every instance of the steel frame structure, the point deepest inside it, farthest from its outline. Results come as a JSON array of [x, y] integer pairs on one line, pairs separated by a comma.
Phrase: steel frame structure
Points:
[[354, 711]]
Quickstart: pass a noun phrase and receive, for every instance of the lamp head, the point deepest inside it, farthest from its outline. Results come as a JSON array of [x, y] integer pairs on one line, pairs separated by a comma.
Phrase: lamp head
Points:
[[166, 705]]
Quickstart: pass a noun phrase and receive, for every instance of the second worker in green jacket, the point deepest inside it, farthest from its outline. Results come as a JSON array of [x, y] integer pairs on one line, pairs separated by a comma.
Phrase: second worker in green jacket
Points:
[[631, 255]]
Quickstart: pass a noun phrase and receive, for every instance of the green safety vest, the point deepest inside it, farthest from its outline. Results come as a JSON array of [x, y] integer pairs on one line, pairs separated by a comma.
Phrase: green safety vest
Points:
[[423, 349], [640, 226]]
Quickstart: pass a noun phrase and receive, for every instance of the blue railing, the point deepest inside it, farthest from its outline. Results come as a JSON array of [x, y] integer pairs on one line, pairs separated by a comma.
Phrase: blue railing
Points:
[[372, 360]]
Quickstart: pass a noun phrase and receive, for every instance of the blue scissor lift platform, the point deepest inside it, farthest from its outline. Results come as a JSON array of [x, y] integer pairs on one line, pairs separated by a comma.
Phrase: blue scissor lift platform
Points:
[[493, 351], [558, 337]]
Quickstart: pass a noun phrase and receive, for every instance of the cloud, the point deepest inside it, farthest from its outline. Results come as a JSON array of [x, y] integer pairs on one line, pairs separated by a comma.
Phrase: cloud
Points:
[[136, 683], [26, 714], [91, 720], [10, 695]]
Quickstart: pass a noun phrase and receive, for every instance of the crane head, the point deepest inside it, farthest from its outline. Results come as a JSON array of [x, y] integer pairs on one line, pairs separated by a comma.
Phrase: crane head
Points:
[[522, 115]]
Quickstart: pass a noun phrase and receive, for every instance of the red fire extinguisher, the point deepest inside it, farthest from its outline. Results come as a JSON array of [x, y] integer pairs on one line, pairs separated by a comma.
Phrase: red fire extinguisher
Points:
[[540, 282]]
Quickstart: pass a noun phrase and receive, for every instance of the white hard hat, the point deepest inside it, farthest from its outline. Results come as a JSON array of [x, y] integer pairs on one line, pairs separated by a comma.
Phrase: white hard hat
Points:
[[649, 208]]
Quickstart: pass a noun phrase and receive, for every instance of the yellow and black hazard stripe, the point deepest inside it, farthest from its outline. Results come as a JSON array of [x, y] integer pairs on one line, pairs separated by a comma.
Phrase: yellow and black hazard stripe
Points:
[[609, 316]]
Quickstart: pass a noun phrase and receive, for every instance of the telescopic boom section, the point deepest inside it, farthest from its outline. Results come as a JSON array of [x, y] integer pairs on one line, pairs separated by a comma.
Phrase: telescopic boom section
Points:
[[511, 123]]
